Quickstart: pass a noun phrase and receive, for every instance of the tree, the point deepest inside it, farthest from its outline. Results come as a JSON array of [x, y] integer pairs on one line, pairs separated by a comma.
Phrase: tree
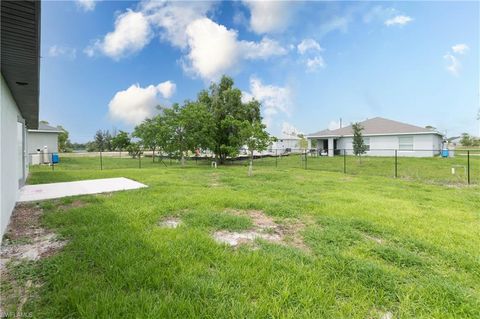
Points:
[[103, 141], [256, 139], [120, 141], [152, 133], [64, 144], [134, 149], [108, 140], [303, 143], [468, 140], [99, 140], [224, 102], [359, 146], [188, 128]]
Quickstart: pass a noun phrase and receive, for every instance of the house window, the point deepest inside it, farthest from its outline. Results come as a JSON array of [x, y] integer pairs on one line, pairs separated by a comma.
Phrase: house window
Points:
[[366, 141], [405, 143]]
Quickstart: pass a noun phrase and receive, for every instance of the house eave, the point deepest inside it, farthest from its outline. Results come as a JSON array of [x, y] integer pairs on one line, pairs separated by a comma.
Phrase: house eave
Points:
[[44, 131], [378, 134]]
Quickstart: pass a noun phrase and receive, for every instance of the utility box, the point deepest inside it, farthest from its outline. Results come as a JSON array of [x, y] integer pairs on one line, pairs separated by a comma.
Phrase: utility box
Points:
[[55, 158]]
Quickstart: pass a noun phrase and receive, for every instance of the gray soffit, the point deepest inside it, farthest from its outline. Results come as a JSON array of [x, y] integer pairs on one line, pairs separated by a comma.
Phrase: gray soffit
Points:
[[20, 55]]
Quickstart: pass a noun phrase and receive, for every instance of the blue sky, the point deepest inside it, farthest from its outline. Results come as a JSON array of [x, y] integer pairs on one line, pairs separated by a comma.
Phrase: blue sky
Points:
[[106, 64]]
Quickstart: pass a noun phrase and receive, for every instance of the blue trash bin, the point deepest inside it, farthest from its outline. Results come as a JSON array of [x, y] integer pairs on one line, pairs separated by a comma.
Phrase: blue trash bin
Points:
[[445, 153], [55, 158]]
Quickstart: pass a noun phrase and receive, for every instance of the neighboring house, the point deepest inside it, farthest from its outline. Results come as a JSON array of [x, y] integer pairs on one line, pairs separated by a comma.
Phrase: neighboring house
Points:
[[44, 136], [455, 141], [382, 137], [20, 68], [285, 144]]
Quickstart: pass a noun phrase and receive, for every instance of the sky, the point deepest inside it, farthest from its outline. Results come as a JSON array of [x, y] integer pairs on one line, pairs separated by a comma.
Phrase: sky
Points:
[[107, 64]]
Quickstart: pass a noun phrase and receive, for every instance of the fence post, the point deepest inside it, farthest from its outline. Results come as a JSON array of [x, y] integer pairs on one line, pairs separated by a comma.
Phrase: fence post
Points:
[[396, 164], [276, 158], [468, 167], [344, 161], [101, 161]]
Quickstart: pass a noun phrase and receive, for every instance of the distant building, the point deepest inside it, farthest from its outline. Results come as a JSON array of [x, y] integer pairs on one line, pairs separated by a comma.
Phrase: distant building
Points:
[[382, 137], [45, 136], [285, 145]]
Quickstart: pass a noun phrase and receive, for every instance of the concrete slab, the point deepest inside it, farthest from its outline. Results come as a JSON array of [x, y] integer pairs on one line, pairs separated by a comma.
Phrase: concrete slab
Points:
[[29, 193]]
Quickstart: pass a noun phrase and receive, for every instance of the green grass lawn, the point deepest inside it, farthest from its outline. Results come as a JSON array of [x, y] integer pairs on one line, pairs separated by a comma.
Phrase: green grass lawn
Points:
[[374, 245], [430, 170]]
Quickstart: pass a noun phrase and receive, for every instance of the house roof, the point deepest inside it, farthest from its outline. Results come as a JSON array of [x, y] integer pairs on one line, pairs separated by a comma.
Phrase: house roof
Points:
[[20, 54], [45, 128], [377, 126]]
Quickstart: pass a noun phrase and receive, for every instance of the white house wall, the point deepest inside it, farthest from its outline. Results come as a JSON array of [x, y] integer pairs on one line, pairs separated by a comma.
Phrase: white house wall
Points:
[[37, 140], [10, 158], [424, 145]]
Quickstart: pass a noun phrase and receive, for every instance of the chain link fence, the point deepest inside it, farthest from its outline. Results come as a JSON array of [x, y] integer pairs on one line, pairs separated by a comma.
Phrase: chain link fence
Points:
[[453, 167]]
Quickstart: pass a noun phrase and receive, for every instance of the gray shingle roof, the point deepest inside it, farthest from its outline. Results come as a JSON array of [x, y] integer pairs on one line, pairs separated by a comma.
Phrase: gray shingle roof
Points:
[[376, 126], [46, 128]]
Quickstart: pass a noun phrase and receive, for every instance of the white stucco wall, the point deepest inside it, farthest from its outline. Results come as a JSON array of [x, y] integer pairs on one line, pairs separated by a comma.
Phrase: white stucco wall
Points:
[[282, 144], [37, 140], [424, 145], [11, 161]]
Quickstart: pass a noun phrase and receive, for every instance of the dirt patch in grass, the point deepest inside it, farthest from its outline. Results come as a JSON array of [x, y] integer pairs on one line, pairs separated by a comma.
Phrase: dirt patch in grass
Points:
[[25, 240], [288, 232], [74, 204], [170, 222]]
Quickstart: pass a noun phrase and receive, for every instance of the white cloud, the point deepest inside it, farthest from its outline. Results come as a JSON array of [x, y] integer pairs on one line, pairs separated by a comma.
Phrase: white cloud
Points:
[[173, 18], [336, 23], [214, 49], [398, 20], [308, 45], [167, 89], [261, 50], [288, 130], [132, 33], [210, 48], [135, 104], [86, 5], [58, 51], [315, 63], [454, 64], [333, 125], [460, 48], [379, 13], [269, 16], [275, 99]]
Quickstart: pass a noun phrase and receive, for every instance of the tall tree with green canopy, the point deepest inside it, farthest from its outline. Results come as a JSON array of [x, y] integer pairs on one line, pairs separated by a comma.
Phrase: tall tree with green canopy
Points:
[[224, 102], [152, 133], [359, 146], [189, 126], [120, 141]]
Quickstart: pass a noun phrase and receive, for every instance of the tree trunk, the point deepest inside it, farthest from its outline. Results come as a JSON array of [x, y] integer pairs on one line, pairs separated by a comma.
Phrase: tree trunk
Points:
[[182, 160], [153, 155], [250, 166]]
